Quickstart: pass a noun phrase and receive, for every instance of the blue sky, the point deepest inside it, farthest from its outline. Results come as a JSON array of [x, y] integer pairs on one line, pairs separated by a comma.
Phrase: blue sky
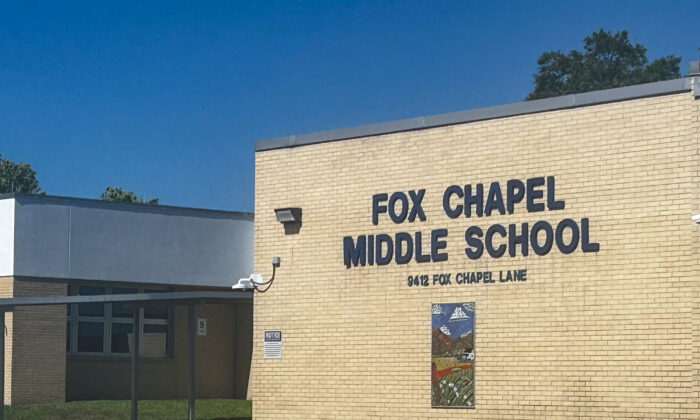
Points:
[[167, 98], [456, 326]]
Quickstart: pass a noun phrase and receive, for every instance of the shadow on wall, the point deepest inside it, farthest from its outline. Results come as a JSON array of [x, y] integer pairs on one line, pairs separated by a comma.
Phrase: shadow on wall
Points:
[[292, 228]]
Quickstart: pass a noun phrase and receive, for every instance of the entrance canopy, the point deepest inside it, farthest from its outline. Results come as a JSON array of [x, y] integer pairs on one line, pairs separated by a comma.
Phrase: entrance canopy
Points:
[[136, 300]]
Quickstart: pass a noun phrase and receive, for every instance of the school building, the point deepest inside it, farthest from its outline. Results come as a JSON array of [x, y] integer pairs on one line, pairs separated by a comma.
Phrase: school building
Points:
[[529, 260], [58, 247]]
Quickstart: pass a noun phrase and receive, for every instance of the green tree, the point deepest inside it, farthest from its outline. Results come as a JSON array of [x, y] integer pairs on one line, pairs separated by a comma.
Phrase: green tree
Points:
[[17, 177], [607, 61], [122, 196]]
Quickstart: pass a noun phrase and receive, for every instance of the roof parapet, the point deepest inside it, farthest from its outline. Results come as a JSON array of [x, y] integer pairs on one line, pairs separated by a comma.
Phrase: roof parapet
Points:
[[665, 87], [23, 198], [694, 68]]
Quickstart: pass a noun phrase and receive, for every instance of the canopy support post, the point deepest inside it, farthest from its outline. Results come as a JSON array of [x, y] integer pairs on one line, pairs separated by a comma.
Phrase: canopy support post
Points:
[[191, 356], [136, 332]]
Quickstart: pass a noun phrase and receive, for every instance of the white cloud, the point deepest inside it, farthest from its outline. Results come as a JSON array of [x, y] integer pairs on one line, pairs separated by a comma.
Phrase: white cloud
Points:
[[459, 315]]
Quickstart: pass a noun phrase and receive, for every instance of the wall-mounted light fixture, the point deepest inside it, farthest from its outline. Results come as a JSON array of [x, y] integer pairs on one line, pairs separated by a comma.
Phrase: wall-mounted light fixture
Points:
[[696, 218], [290, 217]]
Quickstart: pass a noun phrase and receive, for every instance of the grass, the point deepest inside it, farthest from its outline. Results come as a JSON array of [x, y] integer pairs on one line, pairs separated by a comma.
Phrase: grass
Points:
[[118, 410], [456, 390]]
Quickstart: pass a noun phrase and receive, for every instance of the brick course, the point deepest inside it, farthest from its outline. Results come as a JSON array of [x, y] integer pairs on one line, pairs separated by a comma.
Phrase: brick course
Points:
[[608, 334]]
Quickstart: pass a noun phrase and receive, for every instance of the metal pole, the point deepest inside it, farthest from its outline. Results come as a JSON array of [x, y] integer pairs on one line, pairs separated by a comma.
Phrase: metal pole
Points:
[[2, 365], [190, 355], [136, 333]]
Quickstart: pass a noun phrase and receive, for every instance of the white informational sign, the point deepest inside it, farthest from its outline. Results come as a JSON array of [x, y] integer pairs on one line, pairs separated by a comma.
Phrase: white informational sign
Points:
[[273, 344], [202, 327]]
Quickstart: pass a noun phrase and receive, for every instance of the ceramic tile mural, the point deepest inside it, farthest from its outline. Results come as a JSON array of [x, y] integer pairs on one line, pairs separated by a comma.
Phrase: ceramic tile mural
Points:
[[452, 355]]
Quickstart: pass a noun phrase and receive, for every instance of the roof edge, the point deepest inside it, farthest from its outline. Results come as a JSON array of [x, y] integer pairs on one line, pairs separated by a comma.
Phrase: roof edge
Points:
[[479, 114], [115, 205]]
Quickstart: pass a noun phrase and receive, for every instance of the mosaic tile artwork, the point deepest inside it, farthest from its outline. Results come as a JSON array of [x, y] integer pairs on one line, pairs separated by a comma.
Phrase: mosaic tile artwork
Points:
[[452, 355]]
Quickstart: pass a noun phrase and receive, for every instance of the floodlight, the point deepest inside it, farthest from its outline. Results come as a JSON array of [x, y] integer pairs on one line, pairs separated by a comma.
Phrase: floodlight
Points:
[[288, 215]]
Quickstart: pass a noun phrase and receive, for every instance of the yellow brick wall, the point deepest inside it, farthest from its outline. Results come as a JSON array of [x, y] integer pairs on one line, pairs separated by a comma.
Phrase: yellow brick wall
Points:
[[35, 344], [6, 291], [39, 345], [695, 182], [607, 334]]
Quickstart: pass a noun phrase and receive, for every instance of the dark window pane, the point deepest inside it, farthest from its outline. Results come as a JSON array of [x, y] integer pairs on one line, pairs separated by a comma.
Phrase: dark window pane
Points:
[[155, 312], [122, 337], [91, 309], [90, 336], [69, 307], [68, 335], [119, 309], [155, 339]]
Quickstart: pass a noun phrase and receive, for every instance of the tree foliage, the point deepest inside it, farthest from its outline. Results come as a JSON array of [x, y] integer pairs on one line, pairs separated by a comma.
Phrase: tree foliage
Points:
[[17, 177], [122, 196], [607, 61]]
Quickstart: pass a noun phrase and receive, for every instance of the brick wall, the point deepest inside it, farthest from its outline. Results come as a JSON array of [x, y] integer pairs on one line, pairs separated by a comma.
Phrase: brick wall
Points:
[[606, 334], [35, 344], [39, 345], [7, 290]]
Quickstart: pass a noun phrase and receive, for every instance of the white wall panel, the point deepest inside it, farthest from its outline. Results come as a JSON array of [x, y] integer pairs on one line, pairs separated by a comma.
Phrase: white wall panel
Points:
[[87, 239], [7, 236]]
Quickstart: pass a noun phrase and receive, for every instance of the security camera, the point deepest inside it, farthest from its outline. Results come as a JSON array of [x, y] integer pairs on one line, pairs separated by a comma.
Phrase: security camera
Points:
[[248, 282], [243, 284], [256, 280]]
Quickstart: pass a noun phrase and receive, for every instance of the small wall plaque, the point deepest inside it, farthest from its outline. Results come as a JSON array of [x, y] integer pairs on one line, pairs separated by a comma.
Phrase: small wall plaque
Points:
[[202, 327], [273, 344]]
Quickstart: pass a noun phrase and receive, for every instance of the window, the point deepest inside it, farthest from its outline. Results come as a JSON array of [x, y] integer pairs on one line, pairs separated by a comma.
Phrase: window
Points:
[[122, 327], [90, 322], [156, 323], [108, 328]]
